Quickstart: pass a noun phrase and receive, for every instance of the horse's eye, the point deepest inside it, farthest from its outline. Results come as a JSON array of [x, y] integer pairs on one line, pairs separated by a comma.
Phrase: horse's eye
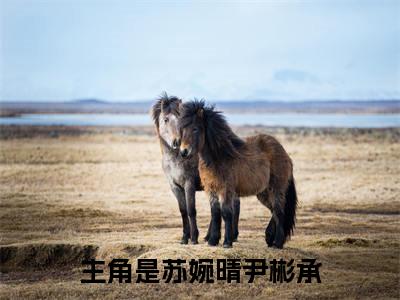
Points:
[[165, 120], [195, 130]]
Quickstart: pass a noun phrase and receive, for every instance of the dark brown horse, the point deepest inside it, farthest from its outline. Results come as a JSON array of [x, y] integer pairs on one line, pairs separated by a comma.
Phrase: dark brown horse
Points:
[[183, 173], [230, 166]]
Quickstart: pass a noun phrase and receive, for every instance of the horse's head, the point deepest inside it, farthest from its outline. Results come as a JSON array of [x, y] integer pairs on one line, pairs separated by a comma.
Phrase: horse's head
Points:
[[165, 113], [204, 130], [191, 126]]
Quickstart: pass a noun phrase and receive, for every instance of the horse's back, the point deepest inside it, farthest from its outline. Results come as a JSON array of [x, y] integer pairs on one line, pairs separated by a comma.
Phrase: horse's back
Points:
[[272, 149], [265, 143]]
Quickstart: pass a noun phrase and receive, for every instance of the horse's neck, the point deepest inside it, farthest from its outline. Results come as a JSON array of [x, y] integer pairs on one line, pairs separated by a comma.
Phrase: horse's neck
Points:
[[206, 161]]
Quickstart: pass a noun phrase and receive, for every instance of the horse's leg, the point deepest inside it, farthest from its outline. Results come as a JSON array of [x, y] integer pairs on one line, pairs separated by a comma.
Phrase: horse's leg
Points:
[[190, 194], [207, 237], [215, 219], [214, 230], [236, 213], [265, 198], [227, 215], [270, 233], [278, 216], [180, 196]]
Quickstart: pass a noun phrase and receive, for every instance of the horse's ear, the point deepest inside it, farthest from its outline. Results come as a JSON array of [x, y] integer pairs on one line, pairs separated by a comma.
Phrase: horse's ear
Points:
[[200, 113], [155, 112], [180, 105], [162, 105]]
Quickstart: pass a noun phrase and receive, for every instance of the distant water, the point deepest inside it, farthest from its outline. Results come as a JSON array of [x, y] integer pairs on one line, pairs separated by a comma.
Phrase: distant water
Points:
[[270, 119]]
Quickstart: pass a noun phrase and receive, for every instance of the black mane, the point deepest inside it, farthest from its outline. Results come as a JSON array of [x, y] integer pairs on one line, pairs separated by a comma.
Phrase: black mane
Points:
[[168, 104], [220, 141]]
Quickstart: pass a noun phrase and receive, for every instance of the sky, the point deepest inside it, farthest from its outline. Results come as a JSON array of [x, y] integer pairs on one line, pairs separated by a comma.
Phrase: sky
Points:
[[219, 50]]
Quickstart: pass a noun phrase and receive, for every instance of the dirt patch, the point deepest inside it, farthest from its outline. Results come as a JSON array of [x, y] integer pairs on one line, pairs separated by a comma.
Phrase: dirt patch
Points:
[[81, 213], [137, 250], [42, 256], [382, 209], [358, 242]]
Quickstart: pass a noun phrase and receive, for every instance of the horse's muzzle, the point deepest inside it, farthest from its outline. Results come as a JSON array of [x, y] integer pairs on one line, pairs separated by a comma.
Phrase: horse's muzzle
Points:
[[175, 144], [184, 153]]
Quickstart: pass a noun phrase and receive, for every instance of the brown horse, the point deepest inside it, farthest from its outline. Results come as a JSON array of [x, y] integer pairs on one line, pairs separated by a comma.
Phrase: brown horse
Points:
[[183, 174], [230, 166]]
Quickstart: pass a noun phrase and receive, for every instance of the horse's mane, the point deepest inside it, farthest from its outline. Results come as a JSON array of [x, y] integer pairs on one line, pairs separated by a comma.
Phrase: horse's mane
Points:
[[220, 141], [168, 104]]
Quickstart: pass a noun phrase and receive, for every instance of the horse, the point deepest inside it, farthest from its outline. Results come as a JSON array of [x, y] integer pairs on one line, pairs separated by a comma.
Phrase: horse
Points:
[[182, 173], [230, 166]]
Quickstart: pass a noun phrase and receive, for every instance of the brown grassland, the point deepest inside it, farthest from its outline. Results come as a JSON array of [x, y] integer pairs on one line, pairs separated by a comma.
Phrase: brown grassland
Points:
[[67, 194]]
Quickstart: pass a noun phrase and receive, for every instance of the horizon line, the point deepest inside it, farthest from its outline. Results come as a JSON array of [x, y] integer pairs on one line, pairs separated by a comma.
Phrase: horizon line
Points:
[[132, 101]]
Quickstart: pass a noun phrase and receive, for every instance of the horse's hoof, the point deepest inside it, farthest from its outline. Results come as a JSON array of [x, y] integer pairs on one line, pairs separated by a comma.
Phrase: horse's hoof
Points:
[[194, 242], [235, 240], [184, 241], [269, 240], [212, 243], [206, 238], [275, 246], [226, 245], [269, 243]]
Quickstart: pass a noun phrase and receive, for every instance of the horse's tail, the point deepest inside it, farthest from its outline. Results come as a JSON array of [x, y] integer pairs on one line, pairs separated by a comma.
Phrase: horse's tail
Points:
[[290, 209]]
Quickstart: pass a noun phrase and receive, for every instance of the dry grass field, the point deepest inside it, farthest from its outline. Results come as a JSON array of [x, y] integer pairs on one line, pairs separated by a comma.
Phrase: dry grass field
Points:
[[67, 194]]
